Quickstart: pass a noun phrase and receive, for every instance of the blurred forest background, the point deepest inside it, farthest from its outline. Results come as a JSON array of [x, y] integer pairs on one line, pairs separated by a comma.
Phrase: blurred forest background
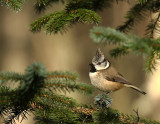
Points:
[[73, 51]]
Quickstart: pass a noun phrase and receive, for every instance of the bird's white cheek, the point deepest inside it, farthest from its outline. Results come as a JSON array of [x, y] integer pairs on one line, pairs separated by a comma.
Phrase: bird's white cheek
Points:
[[102, 67], [99, 67]]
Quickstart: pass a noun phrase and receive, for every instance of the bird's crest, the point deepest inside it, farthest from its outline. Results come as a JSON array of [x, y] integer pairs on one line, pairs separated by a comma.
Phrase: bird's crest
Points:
[[99, 57]]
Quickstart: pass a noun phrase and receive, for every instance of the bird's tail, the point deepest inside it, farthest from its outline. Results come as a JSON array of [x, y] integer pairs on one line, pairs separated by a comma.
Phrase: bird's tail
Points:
[[136, 88]]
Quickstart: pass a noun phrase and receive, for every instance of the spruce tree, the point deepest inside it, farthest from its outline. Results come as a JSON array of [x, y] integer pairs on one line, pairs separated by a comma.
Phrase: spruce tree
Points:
[[37, 88]]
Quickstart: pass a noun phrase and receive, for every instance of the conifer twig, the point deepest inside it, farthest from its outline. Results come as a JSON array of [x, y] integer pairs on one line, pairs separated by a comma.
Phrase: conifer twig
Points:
[[138, 118], [152, 27], [152, 61]]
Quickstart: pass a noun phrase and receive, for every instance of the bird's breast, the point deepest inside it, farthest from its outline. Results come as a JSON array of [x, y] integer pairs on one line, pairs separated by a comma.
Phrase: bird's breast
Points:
[[102, 83]]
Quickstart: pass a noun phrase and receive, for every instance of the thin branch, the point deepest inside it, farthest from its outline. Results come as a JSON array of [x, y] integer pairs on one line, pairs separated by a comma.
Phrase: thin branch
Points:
[[152, 26], [138, 118], [153, 61]]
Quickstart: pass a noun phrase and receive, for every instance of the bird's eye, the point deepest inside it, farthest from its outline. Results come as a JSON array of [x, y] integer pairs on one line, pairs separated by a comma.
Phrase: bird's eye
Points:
[[98, 63]]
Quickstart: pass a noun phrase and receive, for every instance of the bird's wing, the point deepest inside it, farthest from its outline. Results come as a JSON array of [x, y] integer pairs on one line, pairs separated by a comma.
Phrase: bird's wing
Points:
[[118, 78], [112, 75]]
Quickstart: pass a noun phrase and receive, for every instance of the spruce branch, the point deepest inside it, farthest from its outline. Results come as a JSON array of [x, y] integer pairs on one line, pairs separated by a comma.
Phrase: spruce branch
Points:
[[35, 75], [57, 21], [107, 35], [135, 15], [83, 110], [55, 99], [39, 23], [16, 113], [111, 116], [87, 4], [142, 1], [138, 13], [5, 99], [151, 61], [119, 51], [55, 116], [154, 6], [42, 5], [29, 86], [54, 109], [33, 93], [10, 76], [112, 36], [13, 4], [60, 74], [135, 43], [153, 26], [62, 85]]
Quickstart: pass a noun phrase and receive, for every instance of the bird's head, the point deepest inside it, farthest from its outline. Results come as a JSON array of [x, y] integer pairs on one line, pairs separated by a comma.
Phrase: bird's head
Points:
[[99, 61]]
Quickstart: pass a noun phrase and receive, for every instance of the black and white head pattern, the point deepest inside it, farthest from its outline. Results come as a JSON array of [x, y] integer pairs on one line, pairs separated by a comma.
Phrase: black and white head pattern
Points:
[[99, 61]]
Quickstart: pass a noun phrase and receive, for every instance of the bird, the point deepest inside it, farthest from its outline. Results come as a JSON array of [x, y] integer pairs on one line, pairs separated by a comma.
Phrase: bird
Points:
[[105, 77]]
